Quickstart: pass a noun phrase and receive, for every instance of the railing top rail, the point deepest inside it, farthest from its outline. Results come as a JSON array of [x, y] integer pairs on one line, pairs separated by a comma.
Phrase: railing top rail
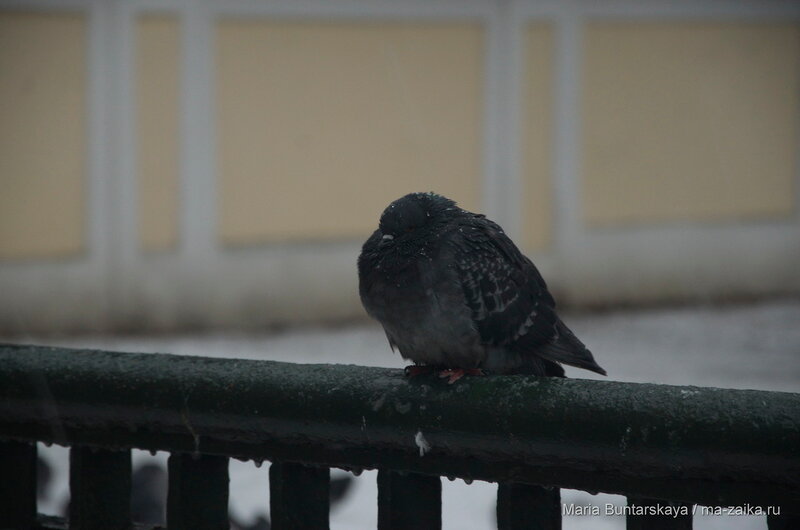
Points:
[[703, 445]]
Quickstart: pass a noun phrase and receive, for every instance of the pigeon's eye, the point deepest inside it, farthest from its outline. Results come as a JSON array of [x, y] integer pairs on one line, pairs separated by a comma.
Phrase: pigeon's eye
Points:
[[410, 228]]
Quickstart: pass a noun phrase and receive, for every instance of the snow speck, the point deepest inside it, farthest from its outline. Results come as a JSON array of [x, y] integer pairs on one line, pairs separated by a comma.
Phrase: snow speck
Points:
[[422, 443], [378, 403]]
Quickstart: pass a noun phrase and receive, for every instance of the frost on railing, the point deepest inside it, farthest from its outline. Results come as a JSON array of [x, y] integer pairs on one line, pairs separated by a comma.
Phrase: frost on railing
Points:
[[662, 446]]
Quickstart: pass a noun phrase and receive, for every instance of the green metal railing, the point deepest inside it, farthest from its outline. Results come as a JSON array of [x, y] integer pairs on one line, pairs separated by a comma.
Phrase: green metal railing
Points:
[[656, 444]]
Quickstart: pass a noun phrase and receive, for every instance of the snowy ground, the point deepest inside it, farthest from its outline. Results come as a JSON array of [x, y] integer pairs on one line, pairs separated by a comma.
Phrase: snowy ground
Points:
[[748, 346]]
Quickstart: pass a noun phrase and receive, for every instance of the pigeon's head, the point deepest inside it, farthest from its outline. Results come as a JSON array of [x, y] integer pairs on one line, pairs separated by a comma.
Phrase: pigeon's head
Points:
[[408, 216]]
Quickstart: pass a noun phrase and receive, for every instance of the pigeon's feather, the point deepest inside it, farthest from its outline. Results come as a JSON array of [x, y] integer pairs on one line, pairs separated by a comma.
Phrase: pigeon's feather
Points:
[[568, 349], [508, 297], [451, 289], [506, 294]]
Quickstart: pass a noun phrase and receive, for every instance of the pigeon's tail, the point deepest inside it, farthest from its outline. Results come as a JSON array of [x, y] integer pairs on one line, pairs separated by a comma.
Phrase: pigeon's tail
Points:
[[568, 349]]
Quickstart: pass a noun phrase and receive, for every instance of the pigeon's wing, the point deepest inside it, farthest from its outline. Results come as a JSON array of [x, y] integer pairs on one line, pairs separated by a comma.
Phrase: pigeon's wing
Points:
[[508, 297], [506, 294]]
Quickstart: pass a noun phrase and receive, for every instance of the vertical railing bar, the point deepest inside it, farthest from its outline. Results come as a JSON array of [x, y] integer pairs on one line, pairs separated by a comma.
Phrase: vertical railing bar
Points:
[[299, 496], [407, 501], [100, 489], [17, 484], [197, 497], [526, 506], [667, 521]]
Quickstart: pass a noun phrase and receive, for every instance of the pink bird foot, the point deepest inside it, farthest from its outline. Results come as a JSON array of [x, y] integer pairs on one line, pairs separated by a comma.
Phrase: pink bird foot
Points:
[[454, 374]]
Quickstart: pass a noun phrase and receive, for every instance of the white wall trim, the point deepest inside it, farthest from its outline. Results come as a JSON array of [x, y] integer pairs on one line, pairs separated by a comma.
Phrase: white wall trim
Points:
[[99, 156], [353, 9], [123, 198], [503, 197], [749, 9], [493, 185], [567, 212], [198, 204], [48, 5]]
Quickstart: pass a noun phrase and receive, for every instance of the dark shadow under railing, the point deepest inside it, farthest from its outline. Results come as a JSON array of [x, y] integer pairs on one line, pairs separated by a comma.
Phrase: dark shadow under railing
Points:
[[653, 443]]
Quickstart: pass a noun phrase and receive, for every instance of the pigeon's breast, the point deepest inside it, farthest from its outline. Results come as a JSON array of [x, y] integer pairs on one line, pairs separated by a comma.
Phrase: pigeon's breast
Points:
[[424, 312]]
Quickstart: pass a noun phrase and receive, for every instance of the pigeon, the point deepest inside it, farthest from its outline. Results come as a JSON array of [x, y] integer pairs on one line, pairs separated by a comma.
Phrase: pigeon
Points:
[[456, 296]]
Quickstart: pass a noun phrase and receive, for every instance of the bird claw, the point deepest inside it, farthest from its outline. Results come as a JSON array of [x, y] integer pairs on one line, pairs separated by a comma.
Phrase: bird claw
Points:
[[454, 374]]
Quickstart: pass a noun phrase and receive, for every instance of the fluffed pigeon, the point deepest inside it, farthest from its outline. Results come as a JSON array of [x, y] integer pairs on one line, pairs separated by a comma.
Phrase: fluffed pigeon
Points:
[[454, 294]]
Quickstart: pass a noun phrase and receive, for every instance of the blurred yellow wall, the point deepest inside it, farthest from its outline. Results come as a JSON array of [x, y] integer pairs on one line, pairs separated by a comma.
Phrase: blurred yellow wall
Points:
[[43, 72], [157, 119], [689, 121], [222, 166], [537, 131], [321, 124]]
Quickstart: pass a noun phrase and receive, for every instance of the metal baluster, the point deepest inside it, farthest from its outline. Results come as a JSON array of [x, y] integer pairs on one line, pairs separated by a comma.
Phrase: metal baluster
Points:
[[299, 496], [409, 501], [197, 498], [658, 522], [524, 506], [17, 485], [100, 489]]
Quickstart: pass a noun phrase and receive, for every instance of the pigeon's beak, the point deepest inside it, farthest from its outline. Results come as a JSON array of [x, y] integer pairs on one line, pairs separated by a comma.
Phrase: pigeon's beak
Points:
[[386, 240]]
